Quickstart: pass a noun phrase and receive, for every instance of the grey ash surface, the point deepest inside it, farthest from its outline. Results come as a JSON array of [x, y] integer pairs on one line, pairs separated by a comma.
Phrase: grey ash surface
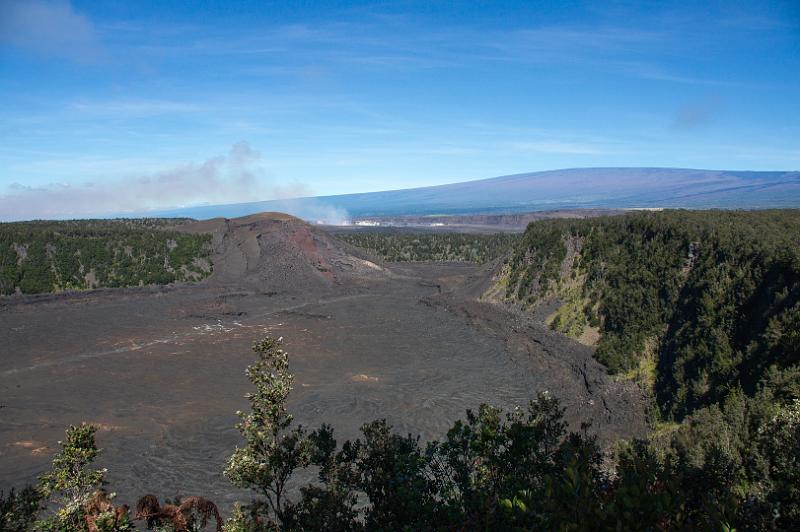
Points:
[[161, 371]]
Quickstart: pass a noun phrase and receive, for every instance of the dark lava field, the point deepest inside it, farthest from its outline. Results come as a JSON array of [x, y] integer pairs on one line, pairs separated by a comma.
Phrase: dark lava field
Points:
[[161, 371]]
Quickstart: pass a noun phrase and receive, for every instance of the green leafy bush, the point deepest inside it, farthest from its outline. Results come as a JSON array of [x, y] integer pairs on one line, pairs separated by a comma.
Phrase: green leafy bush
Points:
[[19, 509], [71, 481]]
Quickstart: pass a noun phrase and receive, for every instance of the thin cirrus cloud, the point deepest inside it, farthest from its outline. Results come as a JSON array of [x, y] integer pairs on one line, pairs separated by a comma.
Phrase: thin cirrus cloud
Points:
[[374, 45], [547, 146], [697, 113], [365, 45], [133, 107], [234, 177], [49, 29]]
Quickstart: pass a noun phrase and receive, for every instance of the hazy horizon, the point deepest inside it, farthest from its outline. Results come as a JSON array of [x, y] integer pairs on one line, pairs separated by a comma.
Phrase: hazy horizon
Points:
[[126, 107], [612, 188]]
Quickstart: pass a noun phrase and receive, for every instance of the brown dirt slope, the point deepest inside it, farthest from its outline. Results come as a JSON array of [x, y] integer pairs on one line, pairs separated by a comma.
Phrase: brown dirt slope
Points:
[[278, 252]]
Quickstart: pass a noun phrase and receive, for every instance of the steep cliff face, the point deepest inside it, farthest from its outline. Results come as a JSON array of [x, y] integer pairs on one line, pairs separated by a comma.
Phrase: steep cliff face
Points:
[[693, 304]]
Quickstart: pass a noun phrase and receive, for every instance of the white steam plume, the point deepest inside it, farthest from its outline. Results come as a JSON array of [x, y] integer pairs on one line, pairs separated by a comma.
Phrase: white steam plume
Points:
[[235, 177]]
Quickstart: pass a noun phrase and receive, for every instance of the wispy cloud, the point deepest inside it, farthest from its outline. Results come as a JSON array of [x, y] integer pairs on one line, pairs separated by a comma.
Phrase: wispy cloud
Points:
[[654, 72], [131, 108], [697, 113], [571, 42], [548, 146], [234, 177], [380, 42], [49, 28]]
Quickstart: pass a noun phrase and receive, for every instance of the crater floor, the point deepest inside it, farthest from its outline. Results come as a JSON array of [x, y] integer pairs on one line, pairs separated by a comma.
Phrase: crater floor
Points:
[[161, 371]]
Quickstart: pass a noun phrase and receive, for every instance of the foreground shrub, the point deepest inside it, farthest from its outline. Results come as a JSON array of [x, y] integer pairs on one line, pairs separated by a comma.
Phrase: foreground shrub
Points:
[[736, 464], [18, 509], [192, 513], [71, 482], [272, 452]]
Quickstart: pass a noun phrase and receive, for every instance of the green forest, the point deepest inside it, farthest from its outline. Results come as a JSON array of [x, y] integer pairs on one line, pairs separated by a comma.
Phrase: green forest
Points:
[[707, 302], [52, 256], [418, 247]]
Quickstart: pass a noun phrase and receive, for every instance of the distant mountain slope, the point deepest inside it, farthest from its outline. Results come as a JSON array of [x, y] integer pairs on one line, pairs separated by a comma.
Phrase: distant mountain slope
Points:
[[571, 188]]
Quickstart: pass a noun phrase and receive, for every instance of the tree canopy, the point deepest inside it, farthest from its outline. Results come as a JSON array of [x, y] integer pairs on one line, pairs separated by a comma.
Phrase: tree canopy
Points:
[[47, 256]]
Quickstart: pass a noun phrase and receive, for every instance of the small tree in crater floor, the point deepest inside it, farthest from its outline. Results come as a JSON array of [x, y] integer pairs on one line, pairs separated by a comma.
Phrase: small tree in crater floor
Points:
[[272, 452]]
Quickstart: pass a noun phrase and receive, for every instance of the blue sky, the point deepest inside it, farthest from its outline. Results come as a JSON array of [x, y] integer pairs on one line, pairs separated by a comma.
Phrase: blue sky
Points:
[[123, 106]]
